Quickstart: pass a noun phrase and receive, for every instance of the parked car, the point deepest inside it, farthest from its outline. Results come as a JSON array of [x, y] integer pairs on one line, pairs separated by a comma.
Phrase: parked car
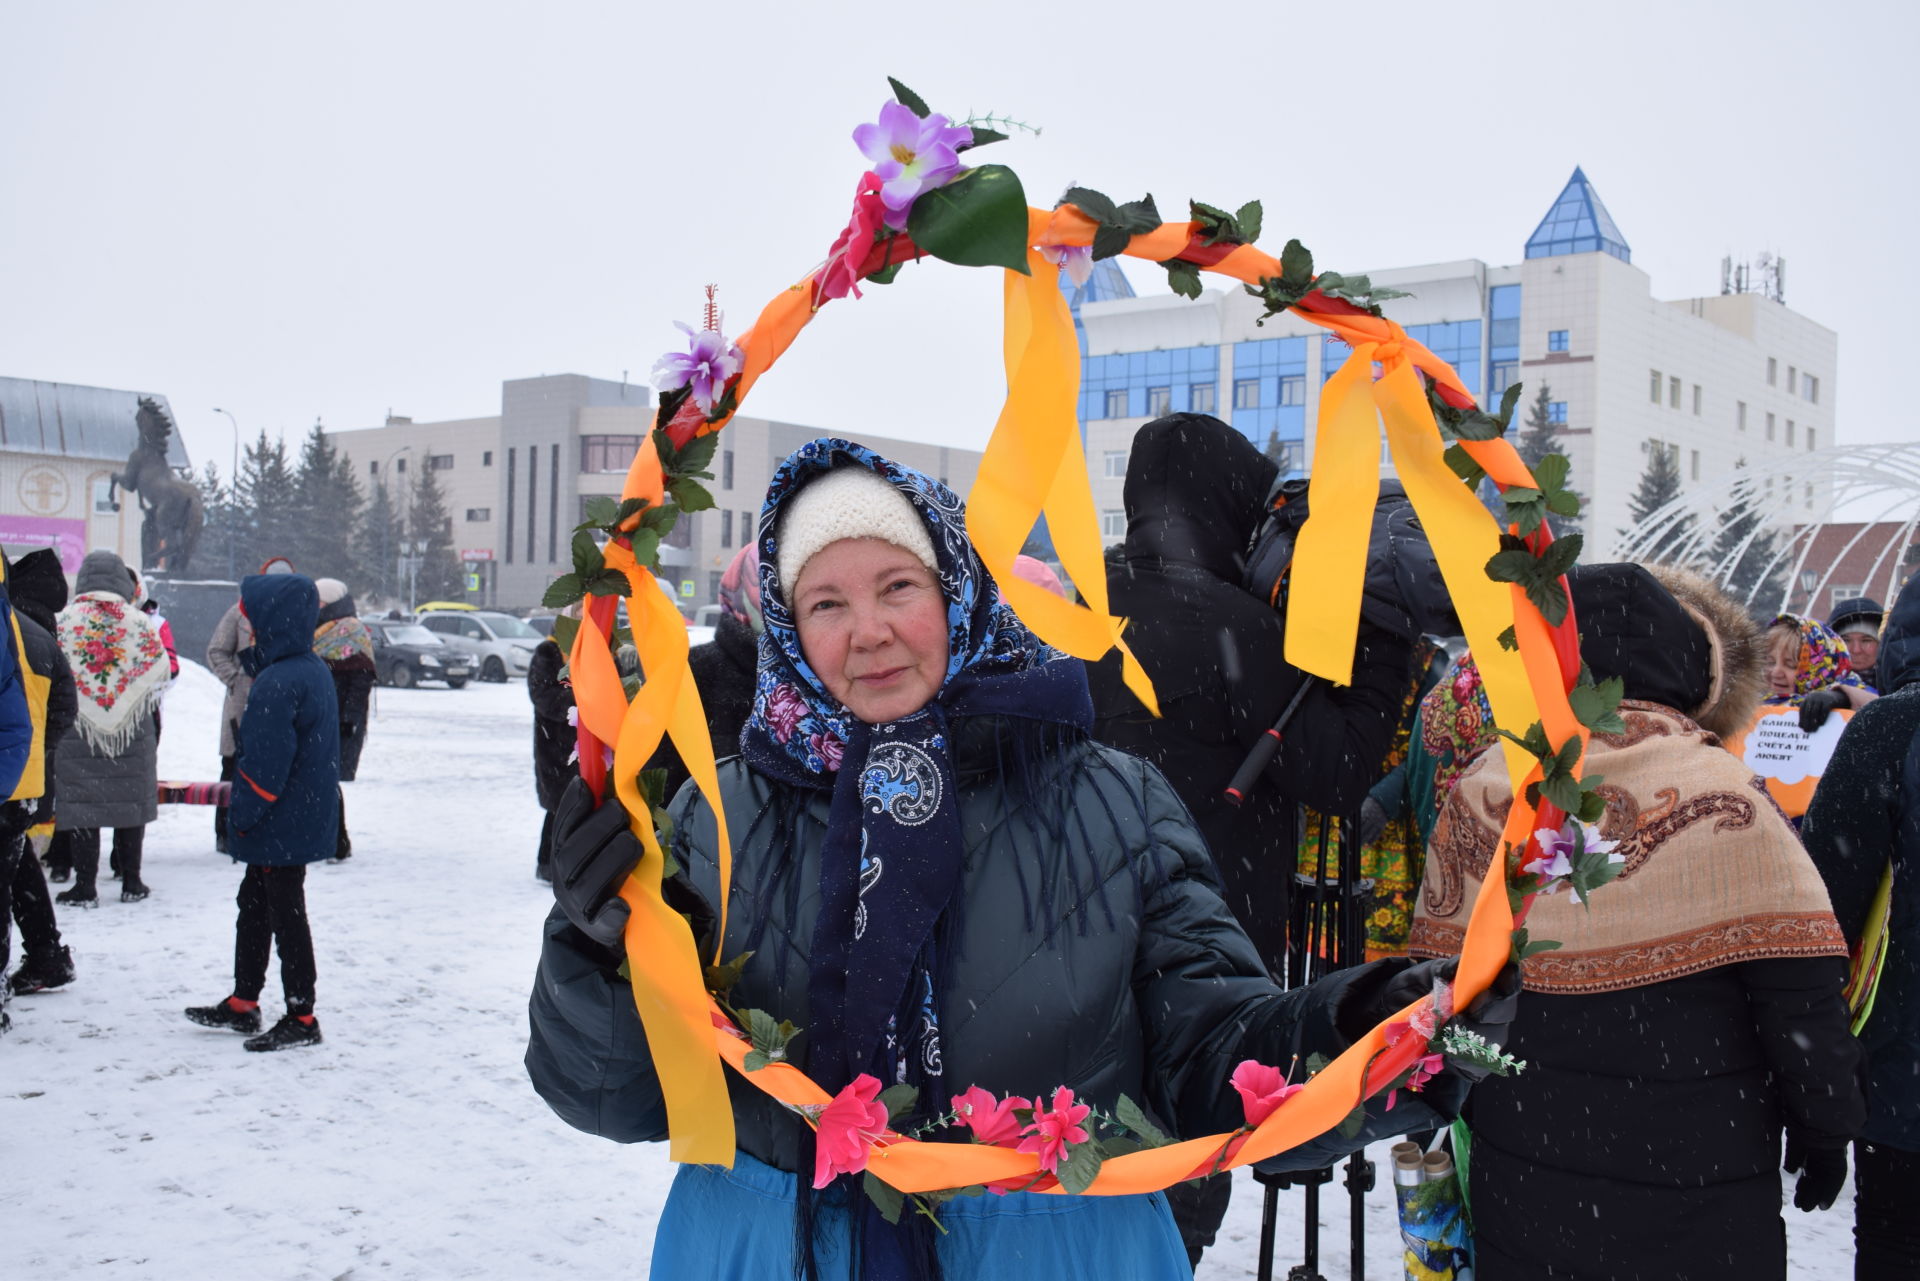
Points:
[[505, 644], [542, 623], [406, 653]]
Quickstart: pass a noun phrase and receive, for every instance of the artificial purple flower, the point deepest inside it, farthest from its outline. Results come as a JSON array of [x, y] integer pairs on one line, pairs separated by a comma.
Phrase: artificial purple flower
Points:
[[1077, 259], [910, 155], [704, 368], [1556, 856]]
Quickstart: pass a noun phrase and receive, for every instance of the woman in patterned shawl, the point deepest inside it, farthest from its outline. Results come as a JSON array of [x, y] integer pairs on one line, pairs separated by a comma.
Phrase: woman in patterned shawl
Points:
[[1808, 668]]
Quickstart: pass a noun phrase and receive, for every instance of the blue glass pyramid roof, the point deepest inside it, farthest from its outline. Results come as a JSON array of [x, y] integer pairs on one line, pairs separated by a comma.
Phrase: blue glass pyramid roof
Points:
[[1578, 224], [1105, 284]]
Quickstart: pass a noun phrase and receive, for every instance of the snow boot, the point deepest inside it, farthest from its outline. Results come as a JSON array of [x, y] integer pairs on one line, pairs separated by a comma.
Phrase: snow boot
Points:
[[42, 973], [289, 1033], [133, 889], [78, 896], [226, 1015]]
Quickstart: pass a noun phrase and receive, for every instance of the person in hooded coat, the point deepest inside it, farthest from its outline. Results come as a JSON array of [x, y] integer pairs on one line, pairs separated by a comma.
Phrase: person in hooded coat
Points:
[[232, 636], [1856, 621], [1865, 820], [1692, 1008], [945, 880], [553, 739], [285, 808], [723, 668], [38, 586], [346, 646], [108, 774]]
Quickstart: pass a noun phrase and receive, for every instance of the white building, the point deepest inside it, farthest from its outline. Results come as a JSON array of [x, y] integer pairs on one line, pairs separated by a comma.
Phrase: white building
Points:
[[1715, 380]]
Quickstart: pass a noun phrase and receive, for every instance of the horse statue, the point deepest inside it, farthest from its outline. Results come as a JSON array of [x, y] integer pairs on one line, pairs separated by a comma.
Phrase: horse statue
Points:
[[173, 510]]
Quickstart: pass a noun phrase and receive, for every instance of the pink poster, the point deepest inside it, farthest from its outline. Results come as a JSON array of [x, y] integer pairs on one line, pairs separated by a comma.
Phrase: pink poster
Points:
[[68, 537]]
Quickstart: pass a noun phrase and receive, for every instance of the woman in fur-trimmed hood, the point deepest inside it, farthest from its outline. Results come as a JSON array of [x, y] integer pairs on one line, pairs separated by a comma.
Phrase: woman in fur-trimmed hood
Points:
[[1691, 1010]]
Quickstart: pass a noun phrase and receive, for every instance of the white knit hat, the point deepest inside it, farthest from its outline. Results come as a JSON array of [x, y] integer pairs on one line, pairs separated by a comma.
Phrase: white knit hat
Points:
[[330, 589], [848, 502]]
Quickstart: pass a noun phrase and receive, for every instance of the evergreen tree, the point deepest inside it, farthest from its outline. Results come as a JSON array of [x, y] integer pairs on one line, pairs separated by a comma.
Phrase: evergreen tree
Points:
[[1660, 485], [327, 501], [1541, 436], [440, 577], [267, 520], [1748, 575], [377, 549], [218, 551]]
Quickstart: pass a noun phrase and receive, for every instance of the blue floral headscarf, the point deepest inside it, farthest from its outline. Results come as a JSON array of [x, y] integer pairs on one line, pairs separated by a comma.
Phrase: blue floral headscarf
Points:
[[891, 865]]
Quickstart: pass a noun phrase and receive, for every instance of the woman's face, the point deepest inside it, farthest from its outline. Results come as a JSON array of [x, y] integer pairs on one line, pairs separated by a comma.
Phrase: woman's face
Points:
[[1783, 663], [873, 624], [1863, 649]]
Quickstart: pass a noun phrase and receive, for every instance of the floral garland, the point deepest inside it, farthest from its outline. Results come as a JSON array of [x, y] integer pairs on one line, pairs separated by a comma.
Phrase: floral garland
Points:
[[917, 199]]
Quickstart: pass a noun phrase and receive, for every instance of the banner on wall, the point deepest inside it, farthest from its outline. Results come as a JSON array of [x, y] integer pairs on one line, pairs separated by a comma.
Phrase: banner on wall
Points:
[[68, 538]]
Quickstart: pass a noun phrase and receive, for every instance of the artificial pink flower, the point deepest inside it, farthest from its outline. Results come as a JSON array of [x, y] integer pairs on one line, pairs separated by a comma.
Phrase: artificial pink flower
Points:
[[910, 154], [847, 1128], [1425, 1069], [1262, 1090], [841, 275], [1077, 259], [991, 1120], [1054, 1129]]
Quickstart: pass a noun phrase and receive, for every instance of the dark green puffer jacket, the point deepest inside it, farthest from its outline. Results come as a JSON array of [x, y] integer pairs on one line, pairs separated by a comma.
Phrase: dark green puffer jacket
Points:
[[1094, 952]]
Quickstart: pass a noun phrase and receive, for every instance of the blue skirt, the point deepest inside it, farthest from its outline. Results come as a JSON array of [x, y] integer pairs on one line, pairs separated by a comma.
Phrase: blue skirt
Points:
[[737, 1225]]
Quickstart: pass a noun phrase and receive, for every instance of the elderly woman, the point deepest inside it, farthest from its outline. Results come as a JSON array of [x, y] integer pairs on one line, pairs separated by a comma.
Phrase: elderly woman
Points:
[[1690, 1011], [107, 764], [1809, 667], [946, 883]]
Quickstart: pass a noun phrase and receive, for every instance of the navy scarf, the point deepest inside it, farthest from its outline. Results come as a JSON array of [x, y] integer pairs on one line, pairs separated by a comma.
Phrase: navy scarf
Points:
[[891, 867]]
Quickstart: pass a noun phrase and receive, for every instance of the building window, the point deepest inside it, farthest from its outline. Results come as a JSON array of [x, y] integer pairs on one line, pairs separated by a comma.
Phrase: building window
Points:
[[1159, 401], [1810, 387], [1773, 371], [726, 469], [1809, 495], [1556, 340], [603, 454], [1200, 398], [510, 494], [746, 527], [102, 496], [726, 529], [1293, 389], [1654, 387], [1789, 431], [1246, 393], [373, 468], [1557, 411], [439, 462], [1793, 380], [1115, 463], [1696, 400], [1117, 402], [1673, 391], [713, 583], [1693, 465], [400, 466], [1740, 414], [479, 515], [1113, 523], [486, 458], [1505, 374], [1810, 444], [1769, 426]]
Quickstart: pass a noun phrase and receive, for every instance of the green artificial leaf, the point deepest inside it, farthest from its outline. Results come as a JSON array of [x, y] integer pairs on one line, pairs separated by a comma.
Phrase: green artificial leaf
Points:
[[1598, 706], [690, 495], [981, 137], [1137, 217], [1109, 242], [585, 548], [1120, 1145], [670, 402], [889, 1199], [899, 1099], [1296, 265], [1533, 742], [690, 461], [1561, 555], [909, 99], [1525, 945], [1184, 278], [1092, 203], [1215, 225], [646, 545], [1354, 1122], [1525, 507], [564, 630], [755, 1060], [660, 519], [1513, 564], [723, 408], [1248, 217], [1079, 1167], [608, 582], [1317, 1062], [1463, 465], [653, 786], [600, 513], [721, 978], [1130, 1114], [1551, 472], [1591, 870], [977, 220], [563, 591], [885, 275], [1509, 400], [1593, 806], [1509, 641]]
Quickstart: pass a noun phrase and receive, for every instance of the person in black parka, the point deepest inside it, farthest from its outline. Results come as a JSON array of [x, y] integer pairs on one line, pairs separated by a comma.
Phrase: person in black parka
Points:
[[723, 668], [553, 741], [1864, 818], [285, 810]]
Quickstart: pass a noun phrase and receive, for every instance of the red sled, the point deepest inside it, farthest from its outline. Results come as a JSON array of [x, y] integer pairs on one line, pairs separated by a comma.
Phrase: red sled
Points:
[[217, 793]]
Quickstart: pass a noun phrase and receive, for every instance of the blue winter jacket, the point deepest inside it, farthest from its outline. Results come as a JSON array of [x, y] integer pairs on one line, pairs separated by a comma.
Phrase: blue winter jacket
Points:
[[286, 802], [16, 723]]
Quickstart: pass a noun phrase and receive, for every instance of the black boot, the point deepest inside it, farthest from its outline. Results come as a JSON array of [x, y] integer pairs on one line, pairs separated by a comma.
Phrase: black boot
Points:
[[130, 843], [42, 972], [225, 1015], [84, 844]]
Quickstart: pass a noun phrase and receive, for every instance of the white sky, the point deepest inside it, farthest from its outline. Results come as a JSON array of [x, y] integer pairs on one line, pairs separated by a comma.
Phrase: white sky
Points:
[[339, 210]]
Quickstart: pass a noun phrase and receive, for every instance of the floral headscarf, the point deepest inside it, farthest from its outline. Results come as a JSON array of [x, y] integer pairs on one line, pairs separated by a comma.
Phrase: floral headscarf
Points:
[[119, 667], [1823, 659], [740, 587]]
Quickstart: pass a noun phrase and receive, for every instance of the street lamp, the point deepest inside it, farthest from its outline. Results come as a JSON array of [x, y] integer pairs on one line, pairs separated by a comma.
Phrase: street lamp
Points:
[[386, 470], [233, 486], [1809, 579], [413, 554]]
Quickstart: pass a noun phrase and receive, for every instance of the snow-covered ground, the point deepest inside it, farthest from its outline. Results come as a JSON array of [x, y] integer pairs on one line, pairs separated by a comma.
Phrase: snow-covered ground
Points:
[[409, 1145]]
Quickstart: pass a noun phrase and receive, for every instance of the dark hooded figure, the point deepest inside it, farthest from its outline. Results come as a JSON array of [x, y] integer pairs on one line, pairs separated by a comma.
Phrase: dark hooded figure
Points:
[[1857, 621], [38, 586], [1692, 1009], [1864, 824], [954, 886], [286, 807]]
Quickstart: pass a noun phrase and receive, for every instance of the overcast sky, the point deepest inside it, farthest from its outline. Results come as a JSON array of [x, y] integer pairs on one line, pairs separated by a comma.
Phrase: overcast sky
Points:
[[336, 211]]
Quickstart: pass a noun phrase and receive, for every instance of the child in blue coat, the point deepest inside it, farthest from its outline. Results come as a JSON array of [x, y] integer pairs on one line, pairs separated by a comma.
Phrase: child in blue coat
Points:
[[285, 812]]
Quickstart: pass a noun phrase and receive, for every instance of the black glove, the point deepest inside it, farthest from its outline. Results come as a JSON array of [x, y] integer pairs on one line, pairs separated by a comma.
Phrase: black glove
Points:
[[1491, 1015], [1373, 820], [1817, 706], [593, 851], [1822, 1170]]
